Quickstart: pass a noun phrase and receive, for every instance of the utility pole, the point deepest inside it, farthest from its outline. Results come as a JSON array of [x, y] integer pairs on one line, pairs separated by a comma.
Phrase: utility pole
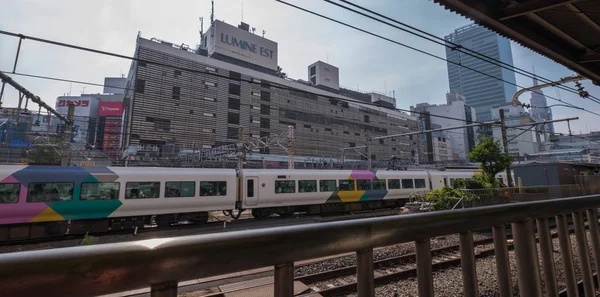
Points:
[[240, 148], [369, 161], [291, 146], [505, 145], [66, 156]]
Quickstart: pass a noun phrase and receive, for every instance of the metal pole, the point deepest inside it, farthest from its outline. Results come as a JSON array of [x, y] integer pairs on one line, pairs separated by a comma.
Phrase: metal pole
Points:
[[505, 145], [502, 262], [515, 100], [595, 236], [528, 268], [18, 51], [67, 137], [291, 145], [369, 161], [284, 280], [364, 273], [547, 250], [584, 259], [467, 263], [166, 289], [424, 270], [240, 147], [567, 256]]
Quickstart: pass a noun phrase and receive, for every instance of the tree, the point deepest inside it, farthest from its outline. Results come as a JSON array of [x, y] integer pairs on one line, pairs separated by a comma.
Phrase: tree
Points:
[[493, 160], [46, 151]]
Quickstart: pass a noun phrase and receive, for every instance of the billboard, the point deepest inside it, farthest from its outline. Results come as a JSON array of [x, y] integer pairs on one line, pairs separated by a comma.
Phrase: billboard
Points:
[[240, 44], [110, 109], [114, 85], [84, 124]]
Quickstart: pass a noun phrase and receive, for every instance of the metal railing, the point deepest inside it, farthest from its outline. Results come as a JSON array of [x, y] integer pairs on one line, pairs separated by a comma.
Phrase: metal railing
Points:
[[485, 197], [162, 263]]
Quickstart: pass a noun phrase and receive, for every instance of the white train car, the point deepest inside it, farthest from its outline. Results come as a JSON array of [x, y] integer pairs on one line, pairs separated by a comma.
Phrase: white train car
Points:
[[316, 191], [440, 179], [175, 194]]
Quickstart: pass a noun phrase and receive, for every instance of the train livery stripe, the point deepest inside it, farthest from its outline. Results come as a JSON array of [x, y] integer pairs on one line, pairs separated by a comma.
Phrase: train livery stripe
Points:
[[361, 195], [24, 212]]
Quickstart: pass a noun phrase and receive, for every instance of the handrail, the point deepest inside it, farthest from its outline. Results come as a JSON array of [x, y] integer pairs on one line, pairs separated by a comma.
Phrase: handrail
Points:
[[110, 268]]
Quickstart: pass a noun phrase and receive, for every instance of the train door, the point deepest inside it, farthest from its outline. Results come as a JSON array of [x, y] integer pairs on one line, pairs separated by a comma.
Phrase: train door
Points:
[[251, 190]]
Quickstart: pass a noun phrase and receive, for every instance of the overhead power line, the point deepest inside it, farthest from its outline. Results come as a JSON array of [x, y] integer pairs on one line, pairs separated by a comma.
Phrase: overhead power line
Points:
[[447, 43], [217, 75], [416, 49]]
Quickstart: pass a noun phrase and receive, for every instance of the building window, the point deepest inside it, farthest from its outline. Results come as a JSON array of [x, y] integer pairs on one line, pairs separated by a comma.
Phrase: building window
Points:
[[232, 133], [140, 85], [212, 84], [211, 69], [235, 76], [265, 84], [380, 141], [208, 130], [208, 114], [313, 70], [233, 118], [176, 92], [265, 96], [234, 104], [234, 89], [366, 119], [176, 73], [265, 109], [209, 99], [162, 124], [265, 123]]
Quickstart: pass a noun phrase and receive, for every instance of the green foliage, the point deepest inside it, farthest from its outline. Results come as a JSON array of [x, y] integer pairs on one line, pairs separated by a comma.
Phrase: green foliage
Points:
[[493, 160], [89, 239], [446, 197], [46, 151]]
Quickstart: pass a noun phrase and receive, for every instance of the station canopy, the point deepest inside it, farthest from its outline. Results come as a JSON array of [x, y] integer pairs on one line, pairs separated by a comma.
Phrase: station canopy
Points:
[[566, 31]]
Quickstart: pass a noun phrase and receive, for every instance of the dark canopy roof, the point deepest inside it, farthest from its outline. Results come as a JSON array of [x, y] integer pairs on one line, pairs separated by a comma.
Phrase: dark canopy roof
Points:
[[566, 31]]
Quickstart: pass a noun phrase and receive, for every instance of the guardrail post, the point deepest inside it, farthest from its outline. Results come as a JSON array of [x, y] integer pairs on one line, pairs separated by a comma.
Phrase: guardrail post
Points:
[[284, 280], [424, 269], [565, 249], [467, 263], [547, 250], [595, 235], [502, 262], [528, 267], [166, 289], [365, 279], [584, 259]]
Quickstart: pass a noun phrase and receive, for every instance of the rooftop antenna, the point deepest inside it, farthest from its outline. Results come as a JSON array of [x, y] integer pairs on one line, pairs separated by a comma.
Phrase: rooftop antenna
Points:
[[253, 29], [327, 57], [242, 1], [264, 33], [201, 29], [212, 12]]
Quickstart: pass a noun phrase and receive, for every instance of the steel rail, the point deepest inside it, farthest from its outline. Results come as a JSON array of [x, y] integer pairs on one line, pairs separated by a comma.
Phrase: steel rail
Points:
[[111, 268]]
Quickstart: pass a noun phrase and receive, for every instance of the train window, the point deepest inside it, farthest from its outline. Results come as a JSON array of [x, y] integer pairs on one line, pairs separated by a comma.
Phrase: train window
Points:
[[213, 188], [250, 188], [50, 192], [363, 184], [9, 193], [420, 183], [393, 184], [285, 186], [180, 189], [327, 185], [305, 186], [379, 184], [407, 184], [99, 191], [142, 190], [346, 185]]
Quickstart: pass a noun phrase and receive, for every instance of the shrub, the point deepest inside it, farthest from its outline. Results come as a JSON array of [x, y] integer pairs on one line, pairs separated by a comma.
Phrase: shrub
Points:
[[89, 239]]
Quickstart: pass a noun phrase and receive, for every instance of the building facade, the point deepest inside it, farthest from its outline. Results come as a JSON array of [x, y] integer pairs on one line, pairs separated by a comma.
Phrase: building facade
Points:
[[520, 142], [462, 140], [540, 110], [200, 99], [442, 147], [481, 91]]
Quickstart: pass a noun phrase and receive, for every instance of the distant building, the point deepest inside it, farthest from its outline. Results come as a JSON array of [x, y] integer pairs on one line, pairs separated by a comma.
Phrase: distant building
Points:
[[520, 142], [540, 110], [462, 140], [481, 91], [236, 82], [442, 147]]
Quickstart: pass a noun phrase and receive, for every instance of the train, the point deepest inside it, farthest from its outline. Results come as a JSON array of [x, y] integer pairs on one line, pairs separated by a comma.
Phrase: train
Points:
[[48, 201]]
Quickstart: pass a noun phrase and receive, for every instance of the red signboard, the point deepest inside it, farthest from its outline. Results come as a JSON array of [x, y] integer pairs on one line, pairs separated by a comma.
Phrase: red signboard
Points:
[[83, 103], [110, 109]]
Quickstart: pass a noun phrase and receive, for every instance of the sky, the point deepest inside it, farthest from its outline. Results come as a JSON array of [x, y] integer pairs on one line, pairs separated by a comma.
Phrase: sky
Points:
[[366, 63]]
